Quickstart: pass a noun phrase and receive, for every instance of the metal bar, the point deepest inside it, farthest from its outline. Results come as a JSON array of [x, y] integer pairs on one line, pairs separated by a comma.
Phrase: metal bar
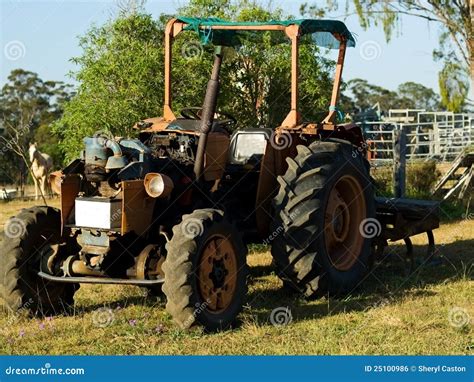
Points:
[[293, 117], [399, 163], [337, 83], [168, 54], [173, 27], [431, 244], [100, 280], [246, 27]]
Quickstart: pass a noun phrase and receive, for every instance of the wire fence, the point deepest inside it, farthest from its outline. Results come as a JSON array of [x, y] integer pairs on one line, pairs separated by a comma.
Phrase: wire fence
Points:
[[429, 135]]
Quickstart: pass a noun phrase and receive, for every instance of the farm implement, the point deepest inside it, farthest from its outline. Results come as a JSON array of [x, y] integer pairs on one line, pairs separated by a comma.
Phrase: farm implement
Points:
[[174, 210]]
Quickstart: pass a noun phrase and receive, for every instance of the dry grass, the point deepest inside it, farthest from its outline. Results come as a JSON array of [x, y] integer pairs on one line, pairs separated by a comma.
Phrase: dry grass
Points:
[[390, 314], [9, 209]]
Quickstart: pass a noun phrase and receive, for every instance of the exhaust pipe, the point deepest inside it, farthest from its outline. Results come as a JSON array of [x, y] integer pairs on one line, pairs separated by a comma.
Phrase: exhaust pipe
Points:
[[208, 111]]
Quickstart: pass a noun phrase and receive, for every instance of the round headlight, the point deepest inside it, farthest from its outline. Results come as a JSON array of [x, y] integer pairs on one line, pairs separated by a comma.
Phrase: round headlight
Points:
[[158, 185]]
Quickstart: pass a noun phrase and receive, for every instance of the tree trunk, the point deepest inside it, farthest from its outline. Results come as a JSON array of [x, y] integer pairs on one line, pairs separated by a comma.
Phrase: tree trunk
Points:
[[471, 41]]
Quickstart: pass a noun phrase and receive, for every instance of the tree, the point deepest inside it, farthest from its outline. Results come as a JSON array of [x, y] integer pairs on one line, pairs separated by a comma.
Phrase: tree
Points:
[[120, 80], [452, 15], [28, 105], [366, 95], [454, 87], [359, 96], [456, 38], [416, 96]]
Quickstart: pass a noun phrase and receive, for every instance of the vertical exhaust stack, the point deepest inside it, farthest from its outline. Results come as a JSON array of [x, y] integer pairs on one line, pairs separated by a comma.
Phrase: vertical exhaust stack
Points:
[[208, 111]]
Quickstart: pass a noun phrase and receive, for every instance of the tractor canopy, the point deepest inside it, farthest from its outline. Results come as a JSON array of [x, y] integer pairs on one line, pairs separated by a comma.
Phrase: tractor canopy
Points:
[[325, 33]]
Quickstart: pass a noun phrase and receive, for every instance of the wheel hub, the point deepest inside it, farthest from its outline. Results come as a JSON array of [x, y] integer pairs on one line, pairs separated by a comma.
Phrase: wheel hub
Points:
[[337, 212], [345, 210], [217, 273]]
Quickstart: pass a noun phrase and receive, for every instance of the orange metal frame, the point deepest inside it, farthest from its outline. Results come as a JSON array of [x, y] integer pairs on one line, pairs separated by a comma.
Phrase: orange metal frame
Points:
[[293, 119]]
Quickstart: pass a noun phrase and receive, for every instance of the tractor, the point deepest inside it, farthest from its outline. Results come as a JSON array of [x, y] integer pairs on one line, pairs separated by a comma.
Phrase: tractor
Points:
[[174, 209]]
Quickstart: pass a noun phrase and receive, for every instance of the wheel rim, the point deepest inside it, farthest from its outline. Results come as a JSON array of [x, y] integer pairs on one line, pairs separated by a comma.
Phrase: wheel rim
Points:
[[345, 210], [217, 276]]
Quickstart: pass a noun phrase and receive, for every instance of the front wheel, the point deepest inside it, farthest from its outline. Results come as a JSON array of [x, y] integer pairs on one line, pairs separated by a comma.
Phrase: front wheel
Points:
[[205, 271], [321, 211], [30, 240]]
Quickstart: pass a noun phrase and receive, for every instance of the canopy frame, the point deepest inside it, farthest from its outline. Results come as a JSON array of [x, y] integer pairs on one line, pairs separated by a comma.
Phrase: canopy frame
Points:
[[293, 31]]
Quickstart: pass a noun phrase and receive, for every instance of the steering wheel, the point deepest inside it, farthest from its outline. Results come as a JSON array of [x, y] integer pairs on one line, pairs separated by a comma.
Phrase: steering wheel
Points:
[[195, 113], [191, 113]]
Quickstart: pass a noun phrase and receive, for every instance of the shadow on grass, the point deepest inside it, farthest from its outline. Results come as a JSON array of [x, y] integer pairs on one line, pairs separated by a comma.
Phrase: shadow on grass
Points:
[[258, 271], [124, 302], [387, 283]]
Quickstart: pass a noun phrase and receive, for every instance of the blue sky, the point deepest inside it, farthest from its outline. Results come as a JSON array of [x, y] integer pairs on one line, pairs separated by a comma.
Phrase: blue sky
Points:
[[42, 36]]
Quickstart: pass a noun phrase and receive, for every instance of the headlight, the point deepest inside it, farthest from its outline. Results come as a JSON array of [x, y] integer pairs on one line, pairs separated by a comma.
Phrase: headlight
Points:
[[158, 185]]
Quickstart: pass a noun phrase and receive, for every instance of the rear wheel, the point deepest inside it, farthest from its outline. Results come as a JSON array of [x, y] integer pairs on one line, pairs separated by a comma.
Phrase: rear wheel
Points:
[[325, 199], [205, 271], [30, 240]]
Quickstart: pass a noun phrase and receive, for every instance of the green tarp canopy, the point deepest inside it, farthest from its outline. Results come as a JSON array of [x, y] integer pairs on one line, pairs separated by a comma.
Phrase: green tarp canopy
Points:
[[320, 30]]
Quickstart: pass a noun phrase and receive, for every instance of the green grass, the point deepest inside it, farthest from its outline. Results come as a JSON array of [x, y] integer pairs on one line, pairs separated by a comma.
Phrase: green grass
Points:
[[391, 313]]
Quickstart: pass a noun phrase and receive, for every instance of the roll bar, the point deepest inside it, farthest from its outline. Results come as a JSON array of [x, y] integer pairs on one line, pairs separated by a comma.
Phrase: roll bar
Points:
[[293, 119]]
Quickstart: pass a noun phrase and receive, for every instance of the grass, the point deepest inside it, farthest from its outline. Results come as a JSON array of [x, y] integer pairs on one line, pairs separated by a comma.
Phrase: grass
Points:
[[391, 313]]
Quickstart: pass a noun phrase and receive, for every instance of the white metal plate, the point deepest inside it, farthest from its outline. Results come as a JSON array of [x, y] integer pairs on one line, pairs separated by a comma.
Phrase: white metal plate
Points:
[[98, 214]]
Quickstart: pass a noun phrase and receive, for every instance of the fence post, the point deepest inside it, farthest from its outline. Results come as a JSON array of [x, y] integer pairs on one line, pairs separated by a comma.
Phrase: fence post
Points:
[[399, 161], [436, 140]]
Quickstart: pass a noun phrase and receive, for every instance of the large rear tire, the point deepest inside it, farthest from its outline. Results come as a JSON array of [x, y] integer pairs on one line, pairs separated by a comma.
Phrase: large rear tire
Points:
[[28, 242], [205, 271], [325, 198]]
